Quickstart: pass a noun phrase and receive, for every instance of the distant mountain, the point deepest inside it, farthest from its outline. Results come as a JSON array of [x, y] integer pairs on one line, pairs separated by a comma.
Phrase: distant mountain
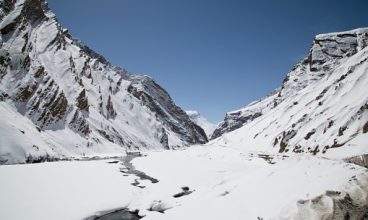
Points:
[[322, 104], [60, 99], [201, 121]]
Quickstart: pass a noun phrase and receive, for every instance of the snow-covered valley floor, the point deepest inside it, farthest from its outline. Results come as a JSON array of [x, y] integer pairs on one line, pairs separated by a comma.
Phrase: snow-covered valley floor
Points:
[[209, 182]]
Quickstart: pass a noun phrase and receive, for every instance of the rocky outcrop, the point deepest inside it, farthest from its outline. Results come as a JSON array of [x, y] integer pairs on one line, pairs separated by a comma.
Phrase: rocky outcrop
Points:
[[333, 205], [233, 121], [111, 114], [158, 100], [82, 101], [79, 123], [361, 160], [45, 106]]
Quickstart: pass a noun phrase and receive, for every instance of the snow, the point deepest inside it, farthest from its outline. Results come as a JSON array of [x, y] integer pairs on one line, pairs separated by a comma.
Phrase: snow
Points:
[[68, 68], [202, 122], [354, 31], [230, 184], [62, 190], [330, 105], [239, 175], [20, 138], [227, 183], [12, 16]]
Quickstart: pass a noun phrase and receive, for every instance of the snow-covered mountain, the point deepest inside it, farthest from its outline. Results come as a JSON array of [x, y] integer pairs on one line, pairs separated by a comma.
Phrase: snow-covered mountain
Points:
[[299, 153], [202, 122], [60, 99], [321, 108]]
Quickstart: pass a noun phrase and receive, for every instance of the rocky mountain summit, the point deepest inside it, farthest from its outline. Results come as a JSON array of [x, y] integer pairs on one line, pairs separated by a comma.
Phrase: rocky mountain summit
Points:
[[60, 99], [322, 104]]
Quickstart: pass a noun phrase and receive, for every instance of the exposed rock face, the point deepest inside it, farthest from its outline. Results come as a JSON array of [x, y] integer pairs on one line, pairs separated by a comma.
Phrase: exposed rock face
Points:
[[333, 205], [110, 109], [142, 86], [79, 123], [71, 96], [234, 120], [322, 104], [361, 160], [82, 101]]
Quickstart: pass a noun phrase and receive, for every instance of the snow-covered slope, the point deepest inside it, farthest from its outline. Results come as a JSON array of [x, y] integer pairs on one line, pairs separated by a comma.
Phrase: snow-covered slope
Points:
[[223, 183], [202, 122], [322, 107], [59, 99]]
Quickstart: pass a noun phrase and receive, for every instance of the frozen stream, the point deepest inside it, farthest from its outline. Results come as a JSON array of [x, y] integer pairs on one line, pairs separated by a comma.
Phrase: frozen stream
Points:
[[128, 169]]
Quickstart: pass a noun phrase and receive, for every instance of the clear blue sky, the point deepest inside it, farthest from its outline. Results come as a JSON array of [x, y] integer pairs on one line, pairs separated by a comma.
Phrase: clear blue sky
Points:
[[210, 55]]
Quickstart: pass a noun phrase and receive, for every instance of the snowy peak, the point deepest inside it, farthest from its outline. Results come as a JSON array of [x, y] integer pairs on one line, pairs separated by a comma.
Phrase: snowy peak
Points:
[[321, 107], [202, 122], [74, 102]]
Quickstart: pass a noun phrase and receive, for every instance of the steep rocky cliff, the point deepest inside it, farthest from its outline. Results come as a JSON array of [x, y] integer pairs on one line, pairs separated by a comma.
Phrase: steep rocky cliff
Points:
[[59, 99]]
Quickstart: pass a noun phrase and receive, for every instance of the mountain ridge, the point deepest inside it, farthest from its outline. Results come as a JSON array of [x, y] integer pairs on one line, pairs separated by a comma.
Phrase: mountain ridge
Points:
[[334, 62], [75, 102]]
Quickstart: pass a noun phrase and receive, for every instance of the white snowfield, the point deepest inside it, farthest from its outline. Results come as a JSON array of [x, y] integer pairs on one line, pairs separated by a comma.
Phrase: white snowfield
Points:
[[226, 183]]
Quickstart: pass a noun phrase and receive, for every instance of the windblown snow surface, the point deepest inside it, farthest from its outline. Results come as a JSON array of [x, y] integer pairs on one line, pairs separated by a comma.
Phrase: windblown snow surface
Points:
[[225, 183]]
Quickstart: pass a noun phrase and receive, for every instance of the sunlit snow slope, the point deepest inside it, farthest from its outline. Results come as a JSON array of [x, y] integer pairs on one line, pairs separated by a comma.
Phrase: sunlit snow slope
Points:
[[321, 108], [59, 99]]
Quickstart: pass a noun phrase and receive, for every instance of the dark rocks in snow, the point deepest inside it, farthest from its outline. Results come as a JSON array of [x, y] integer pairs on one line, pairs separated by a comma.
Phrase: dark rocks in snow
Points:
[[365, 127], [82, 101], [40, 72], [25, 93], [341, 204], [341, 131], [361, 160], [110, 111], [79, 123], [310, 134], [158, 206], [120, 214], [41, 158], [3, 96], [52, 111], [185, 191], [164, 140], [286, 136], [234, 121], [7, 6]]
